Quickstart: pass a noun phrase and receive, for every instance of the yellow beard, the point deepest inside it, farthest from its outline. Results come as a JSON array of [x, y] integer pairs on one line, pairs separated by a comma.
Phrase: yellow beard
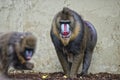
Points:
[[65, 41]]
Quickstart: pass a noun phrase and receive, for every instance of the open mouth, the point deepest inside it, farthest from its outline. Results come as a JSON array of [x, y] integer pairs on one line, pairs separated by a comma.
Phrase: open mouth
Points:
[[65, 34]]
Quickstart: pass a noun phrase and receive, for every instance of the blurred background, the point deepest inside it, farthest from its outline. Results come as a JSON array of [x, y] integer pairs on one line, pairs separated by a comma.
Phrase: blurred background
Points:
[[36, 16]]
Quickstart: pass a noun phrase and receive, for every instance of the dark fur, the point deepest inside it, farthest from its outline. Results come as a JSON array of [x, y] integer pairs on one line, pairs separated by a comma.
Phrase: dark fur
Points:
[[12, 46], [78, 47]]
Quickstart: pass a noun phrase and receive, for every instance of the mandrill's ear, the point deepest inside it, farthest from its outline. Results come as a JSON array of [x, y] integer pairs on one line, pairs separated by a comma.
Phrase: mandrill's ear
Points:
[[22, 42], [27, 33], [22, 39]]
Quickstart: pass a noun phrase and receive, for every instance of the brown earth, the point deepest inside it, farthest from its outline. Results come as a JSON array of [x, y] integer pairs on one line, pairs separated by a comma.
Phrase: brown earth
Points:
[[60, 76]]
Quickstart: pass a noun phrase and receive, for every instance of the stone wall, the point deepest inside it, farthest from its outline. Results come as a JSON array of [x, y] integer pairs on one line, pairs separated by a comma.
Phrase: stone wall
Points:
[[36, 16]]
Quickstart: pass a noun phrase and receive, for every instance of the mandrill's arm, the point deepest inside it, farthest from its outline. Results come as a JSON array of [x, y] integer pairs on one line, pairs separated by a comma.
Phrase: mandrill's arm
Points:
[[17, 50]]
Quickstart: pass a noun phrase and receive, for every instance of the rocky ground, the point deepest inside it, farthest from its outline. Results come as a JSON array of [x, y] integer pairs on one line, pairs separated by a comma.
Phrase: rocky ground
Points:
[[60, 76]]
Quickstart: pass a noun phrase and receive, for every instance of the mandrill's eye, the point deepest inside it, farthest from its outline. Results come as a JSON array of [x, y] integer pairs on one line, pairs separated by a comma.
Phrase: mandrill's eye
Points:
[[28, 53], [65, 30], [65, 21]]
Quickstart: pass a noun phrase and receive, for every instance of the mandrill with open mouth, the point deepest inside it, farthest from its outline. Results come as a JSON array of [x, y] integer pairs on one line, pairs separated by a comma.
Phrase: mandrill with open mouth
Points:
[[16, 49], [74, 40]]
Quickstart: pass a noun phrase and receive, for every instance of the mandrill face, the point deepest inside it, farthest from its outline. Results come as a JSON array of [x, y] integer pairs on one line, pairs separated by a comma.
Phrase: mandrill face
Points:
[[65, 31]]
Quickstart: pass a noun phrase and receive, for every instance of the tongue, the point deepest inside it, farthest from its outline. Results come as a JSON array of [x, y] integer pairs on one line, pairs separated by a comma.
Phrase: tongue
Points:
[[28, 58]]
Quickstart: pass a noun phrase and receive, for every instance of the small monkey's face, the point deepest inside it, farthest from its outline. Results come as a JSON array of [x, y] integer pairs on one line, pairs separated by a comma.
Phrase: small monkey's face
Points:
[[65, 29], [28, 53], [29, 48]]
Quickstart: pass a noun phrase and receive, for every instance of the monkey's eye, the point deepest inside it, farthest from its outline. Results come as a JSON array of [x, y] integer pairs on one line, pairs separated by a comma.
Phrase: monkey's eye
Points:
[[65, 21]]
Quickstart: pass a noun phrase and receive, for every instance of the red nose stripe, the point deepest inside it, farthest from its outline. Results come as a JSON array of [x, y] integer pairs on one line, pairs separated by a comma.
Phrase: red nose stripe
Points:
[[65, 30]]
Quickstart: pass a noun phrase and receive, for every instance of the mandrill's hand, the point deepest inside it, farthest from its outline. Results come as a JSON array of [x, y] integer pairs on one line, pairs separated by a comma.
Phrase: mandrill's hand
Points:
[[28, 65]]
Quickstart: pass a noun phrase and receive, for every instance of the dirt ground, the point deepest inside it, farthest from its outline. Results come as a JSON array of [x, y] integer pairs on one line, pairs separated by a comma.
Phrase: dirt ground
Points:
[[60, 76]]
